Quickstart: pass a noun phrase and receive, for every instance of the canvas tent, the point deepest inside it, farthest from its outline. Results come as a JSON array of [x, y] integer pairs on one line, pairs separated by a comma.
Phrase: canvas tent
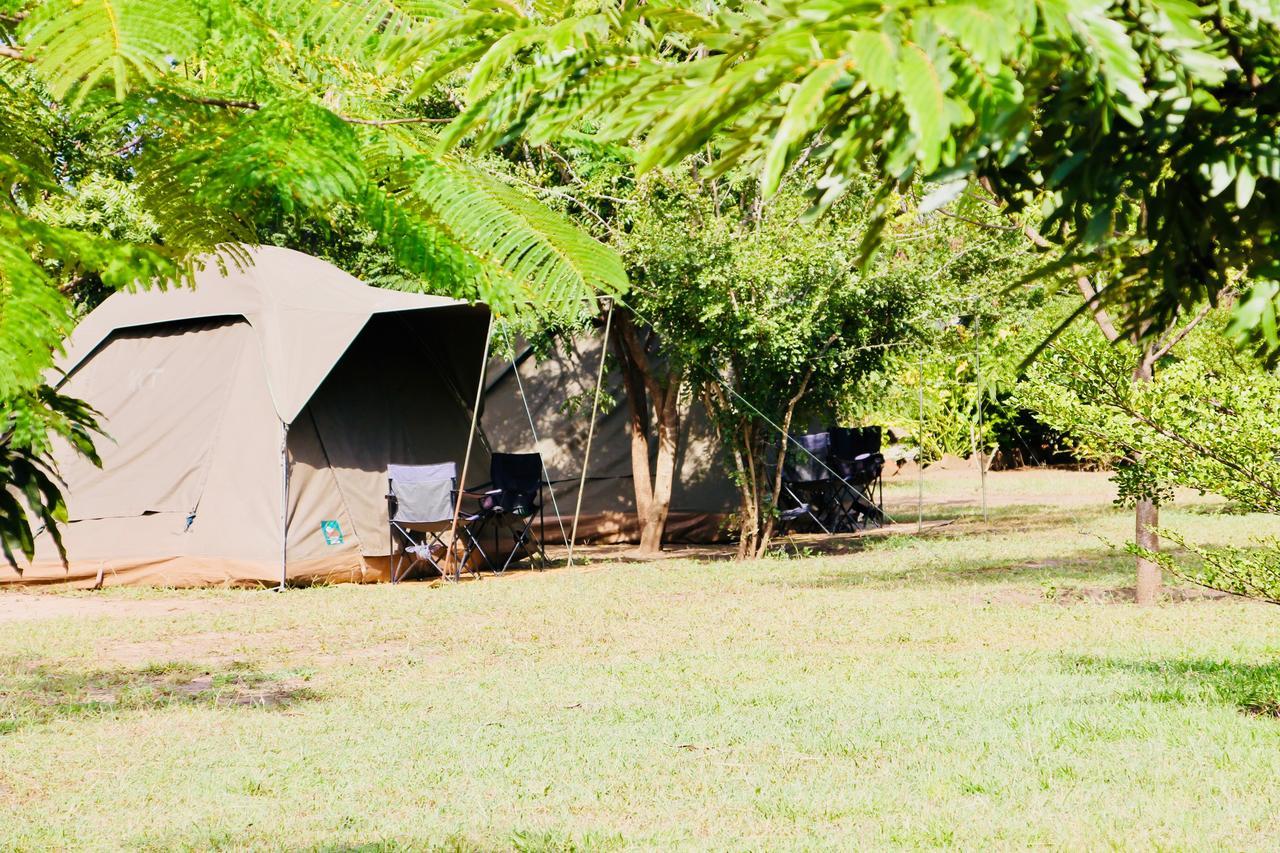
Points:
[[249, 423], [551, 384]]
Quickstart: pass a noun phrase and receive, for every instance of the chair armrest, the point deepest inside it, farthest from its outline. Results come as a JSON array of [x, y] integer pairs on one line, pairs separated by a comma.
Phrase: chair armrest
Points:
[[472, 493]]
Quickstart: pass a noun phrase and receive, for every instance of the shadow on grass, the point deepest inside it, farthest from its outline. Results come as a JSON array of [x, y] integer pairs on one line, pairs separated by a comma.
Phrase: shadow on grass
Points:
[[1251, 688], [1095, 566], [1005, 521], [1009, 519], [37, 693]]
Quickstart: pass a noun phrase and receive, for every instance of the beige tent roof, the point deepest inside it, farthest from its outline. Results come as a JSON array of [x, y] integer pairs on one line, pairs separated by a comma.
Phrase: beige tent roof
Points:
[[304, 312]]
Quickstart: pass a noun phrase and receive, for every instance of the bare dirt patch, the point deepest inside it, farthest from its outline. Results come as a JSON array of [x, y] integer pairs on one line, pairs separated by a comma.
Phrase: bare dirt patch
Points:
[[34, 693], [24, 606]]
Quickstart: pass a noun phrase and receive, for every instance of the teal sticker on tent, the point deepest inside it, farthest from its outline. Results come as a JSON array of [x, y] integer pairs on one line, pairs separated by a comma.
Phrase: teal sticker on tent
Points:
[[332, 532]]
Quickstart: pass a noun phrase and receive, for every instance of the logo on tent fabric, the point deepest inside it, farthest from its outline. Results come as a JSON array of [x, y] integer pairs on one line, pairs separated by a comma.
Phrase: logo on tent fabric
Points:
[[332, 532]]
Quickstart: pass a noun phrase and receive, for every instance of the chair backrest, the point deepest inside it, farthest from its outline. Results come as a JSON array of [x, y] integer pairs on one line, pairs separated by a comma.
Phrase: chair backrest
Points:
[[422, 494], [516, 472], [874, 436], [802, 466], [848, 443]]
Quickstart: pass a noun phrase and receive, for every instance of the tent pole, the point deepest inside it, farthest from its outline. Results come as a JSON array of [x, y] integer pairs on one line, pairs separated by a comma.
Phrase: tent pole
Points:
[[284, 505], [524, 400], [466, 460], [920, 454], [981, 443], [591, 430]]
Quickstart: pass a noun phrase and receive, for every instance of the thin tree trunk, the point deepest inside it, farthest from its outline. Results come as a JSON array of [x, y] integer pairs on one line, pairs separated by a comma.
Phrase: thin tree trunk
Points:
[[775, 490], [638, 409], [749, 527], [1147, 519], [1146, 516], [654, 481], [654, 518]]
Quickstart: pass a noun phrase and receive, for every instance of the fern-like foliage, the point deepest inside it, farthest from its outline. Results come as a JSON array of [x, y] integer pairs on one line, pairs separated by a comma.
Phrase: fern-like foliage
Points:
[[242, 106], [125, 43], [219, 116], [536, 255], [1144, 131]]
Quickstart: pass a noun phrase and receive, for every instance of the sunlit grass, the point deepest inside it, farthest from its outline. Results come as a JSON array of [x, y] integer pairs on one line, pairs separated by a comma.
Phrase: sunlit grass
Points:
[[932, 691]]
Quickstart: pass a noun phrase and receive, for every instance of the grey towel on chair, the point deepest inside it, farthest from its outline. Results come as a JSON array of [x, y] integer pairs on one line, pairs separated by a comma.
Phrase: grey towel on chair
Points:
[[424, 493]]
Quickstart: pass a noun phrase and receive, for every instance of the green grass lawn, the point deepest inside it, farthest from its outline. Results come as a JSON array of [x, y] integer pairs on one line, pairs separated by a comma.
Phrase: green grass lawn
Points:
[[974, 688]]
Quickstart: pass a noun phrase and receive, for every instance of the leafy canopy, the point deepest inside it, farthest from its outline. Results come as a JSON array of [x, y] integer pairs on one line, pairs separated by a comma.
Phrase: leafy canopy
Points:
[[1206, 422], [768, 323], [1143, 131]]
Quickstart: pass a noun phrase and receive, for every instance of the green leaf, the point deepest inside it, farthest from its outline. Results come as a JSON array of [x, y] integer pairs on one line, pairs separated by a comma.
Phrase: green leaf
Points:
[[1120, 64], [986, 31], [79, 44], [873, 56], [548, 260], [1267, 11], [1245, 183], [923, 85], [803, 108], [1253, 319]]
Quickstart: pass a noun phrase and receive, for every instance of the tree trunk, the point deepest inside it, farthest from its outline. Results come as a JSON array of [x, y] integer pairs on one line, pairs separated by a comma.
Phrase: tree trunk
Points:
[[638, 420], [653, 518], [1146, 516], [748, 491], [653, 482]]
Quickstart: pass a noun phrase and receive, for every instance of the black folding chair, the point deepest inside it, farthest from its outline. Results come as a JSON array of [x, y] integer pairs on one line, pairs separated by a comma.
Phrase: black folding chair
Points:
[[420, 503], [806, 482], [856, 458], [512, 500]]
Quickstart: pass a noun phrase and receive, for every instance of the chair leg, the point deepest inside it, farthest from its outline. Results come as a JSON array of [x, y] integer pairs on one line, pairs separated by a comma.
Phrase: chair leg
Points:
[[818, 522], [522, 535], [809, 508], [396, 559], [471, 545], [537, 539], [515, 547], [473, 534]]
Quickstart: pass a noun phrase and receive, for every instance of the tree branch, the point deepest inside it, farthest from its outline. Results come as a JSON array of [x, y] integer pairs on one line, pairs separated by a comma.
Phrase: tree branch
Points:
[[640, 356], [988, 225], [385, 122], [1100, 315], [234, 104], [1091, 294], [224, 103], [14, 53], [127, 147], [1162, 349]]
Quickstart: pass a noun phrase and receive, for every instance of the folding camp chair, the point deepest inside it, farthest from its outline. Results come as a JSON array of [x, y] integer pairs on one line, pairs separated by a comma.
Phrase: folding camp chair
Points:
[[806, 482], [859, 492], [421, 500], [511, 500]]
